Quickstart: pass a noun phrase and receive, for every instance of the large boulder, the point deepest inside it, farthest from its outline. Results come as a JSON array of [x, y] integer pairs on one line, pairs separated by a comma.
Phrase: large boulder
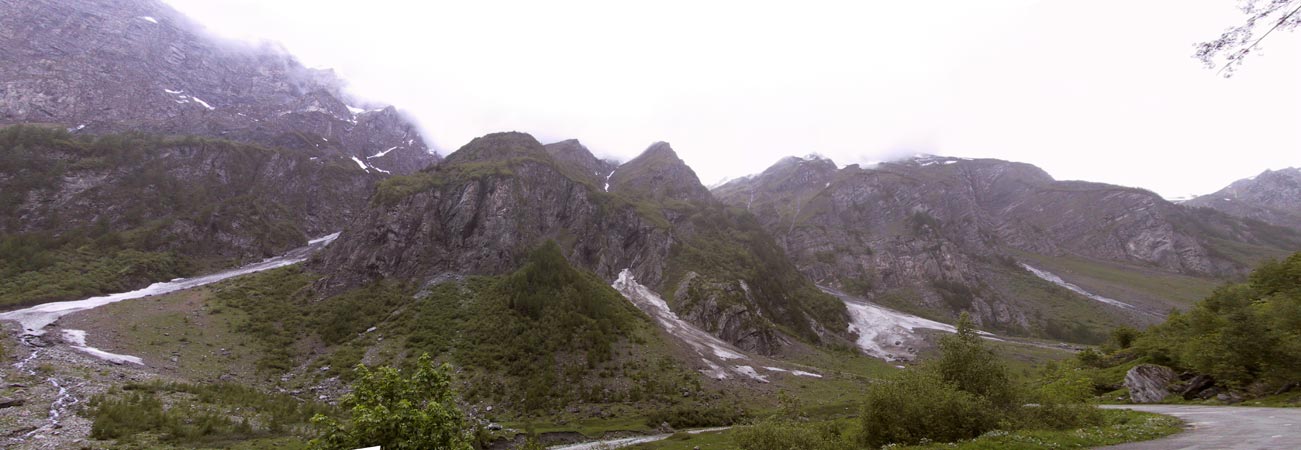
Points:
[[1197, 386], [1148, 383]]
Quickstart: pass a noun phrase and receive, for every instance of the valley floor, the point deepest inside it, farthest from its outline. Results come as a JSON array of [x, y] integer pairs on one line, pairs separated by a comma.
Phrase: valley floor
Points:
[[183, 336]]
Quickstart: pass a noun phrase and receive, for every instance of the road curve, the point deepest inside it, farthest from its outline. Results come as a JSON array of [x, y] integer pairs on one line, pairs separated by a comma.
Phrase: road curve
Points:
[[1223, 427]]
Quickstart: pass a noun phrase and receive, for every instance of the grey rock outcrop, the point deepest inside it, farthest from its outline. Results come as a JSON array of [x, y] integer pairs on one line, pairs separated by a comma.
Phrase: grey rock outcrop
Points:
[[492, 201], [726, 310], [944, 234], [486, 222], [1197, 386], [1149, 383]]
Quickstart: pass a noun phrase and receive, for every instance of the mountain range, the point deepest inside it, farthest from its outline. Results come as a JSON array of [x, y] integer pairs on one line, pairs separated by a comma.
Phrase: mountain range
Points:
[[133, 128], [135, 148]]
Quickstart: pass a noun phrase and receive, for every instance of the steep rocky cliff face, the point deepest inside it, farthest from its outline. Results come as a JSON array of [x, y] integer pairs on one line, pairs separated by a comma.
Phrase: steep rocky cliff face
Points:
[[491, 202], [135, 147], [486, 207], [83, 215], [1274, 197], [137, 65], [942, 234], [202, 197]]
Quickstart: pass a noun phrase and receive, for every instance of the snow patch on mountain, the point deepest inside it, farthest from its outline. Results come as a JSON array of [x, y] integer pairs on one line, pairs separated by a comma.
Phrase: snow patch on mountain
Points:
[[888, 334], [1054, 279], [712, 350], [380, 154], [77, 340]]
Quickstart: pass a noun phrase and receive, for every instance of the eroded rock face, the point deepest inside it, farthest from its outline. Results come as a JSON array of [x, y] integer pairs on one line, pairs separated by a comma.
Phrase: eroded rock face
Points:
[[487, 224], [491, 202], [1149, 383], [208, 199], [98, 66], [726, 310]]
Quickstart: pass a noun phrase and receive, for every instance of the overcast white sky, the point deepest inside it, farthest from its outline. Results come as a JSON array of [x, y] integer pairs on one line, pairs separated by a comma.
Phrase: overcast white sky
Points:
[[1100, 90]]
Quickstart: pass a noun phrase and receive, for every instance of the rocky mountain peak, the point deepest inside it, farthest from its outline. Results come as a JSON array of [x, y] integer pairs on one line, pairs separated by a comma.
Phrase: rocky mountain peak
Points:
[[811, 169], [1287, 177], [1273, 196], [660, 149], [499, 146], [813, 160], [659, 174], [574, 154]]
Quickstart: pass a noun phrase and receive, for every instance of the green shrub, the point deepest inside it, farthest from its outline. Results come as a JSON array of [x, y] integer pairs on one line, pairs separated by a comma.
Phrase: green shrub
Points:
[[966, 363], [1122, 337], [116, 418], [918, 406], [397, 411], [695, 416], [1064, 397]]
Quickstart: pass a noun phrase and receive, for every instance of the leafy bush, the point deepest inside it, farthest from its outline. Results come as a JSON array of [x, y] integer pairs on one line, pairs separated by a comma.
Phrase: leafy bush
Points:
[[695, 416], [1064, 397], [280, 312], [116, 418], [966, 363], [397, 412], [920, 405], [1122, 337]]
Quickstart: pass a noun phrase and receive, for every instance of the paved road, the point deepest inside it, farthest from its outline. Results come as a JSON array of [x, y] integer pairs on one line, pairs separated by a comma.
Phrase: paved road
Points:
[[1224, 427]]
